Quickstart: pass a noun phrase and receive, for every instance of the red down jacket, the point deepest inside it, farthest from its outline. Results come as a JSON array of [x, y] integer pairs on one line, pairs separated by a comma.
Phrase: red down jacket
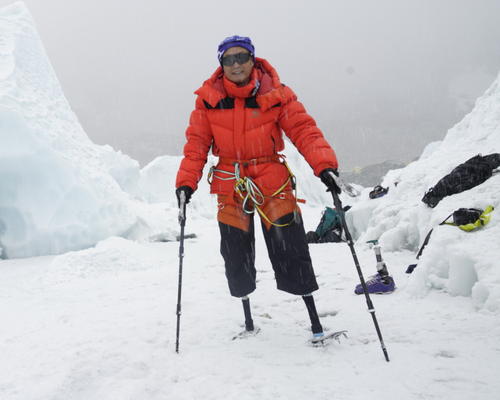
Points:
[[246, 123]]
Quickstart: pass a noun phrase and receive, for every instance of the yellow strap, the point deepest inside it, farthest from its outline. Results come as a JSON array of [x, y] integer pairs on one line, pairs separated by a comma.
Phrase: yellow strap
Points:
[[261, 213]]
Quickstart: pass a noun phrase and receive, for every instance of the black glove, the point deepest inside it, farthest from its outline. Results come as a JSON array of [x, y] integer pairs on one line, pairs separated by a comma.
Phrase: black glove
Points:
[[328, 178], [187, 194]]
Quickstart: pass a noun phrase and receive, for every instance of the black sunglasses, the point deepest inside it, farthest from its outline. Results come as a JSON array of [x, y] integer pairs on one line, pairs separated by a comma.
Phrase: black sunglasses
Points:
[[240, 58]]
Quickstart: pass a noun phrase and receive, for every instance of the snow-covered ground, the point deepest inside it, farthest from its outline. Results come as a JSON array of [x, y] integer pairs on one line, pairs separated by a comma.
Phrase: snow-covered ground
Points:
[[99, 322]]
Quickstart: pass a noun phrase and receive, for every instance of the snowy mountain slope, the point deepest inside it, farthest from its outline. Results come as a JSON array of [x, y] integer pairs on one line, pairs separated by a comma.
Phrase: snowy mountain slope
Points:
[[372, 175], [58, 190], [400, 220]]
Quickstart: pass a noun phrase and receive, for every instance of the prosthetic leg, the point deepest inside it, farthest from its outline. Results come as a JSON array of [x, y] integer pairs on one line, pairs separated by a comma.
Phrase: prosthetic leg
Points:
[[250, 329], [248, 314], [319, 337], [316, 327], [381, 282]]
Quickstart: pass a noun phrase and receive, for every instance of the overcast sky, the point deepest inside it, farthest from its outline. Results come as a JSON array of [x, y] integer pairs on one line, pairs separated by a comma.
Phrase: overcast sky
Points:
[[382, 78]]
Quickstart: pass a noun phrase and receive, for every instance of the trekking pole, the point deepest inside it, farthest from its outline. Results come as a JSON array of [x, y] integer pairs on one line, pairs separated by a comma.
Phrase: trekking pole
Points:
[[182, 222], [338, 205]]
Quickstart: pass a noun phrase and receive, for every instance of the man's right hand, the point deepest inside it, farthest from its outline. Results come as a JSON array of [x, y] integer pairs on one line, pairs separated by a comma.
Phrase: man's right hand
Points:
[[329, 177], [187, 194]]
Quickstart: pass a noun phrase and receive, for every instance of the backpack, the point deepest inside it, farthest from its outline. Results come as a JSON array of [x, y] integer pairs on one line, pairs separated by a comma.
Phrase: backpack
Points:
[[329, 220], [467, 175], [329, 228]]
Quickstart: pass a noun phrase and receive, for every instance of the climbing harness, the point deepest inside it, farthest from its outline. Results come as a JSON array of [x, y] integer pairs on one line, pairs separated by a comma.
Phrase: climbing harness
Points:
[[252, 197]]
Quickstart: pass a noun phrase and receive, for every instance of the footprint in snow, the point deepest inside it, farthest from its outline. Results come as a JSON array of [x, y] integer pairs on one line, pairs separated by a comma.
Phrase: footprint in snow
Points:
[[445, 354]]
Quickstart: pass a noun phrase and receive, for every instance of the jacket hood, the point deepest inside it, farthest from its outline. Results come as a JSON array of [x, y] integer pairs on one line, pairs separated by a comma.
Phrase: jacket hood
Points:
[[269, 92]]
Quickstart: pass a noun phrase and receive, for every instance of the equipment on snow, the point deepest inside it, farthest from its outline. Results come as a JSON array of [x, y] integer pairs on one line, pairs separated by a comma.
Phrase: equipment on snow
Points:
[[381, 265], [378, 191], [323, 338], [329, 228], [329, 220], [332, 236], [467, 219], [467, 175], [377, 284], [182, 222], [381, 282], [464, 216], [411, 268], [371, 309]]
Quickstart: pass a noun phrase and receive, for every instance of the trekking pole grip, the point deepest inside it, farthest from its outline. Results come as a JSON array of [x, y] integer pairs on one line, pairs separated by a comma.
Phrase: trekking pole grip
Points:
[[371, 309], [182, 208]]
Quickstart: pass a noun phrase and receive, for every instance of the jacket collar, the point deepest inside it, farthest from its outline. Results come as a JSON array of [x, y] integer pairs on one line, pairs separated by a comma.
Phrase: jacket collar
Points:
[[264, 82]]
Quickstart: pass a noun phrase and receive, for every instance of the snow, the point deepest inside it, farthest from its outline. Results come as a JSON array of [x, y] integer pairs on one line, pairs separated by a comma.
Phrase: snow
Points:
[[163, 170], [100, 323], [90, 312], [458, 262], [58, 190]]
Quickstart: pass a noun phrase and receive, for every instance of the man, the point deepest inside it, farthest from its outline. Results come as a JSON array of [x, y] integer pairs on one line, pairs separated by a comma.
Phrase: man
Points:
[[240, 113]]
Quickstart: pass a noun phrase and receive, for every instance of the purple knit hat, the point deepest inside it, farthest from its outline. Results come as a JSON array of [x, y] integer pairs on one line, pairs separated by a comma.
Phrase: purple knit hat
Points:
[[235, 41]]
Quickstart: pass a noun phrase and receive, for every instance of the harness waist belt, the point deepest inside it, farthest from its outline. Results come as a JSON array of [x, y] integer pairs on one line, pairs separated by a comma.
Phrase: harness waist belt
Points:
[[253, 161]]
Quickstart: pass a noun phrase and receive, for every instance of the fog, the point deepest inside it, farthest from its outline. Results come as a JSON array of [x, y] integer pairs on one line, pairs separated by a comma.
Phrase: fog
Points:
[[381, 78]]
